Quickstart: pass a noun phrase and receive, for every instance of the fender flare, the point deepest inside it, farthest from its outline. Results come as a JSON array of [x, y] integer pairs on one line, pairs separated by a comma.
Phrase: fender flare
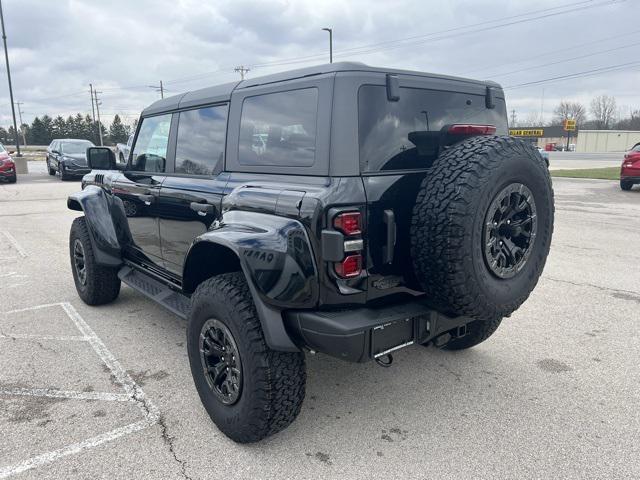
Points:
[[100, 210], [276, 258]]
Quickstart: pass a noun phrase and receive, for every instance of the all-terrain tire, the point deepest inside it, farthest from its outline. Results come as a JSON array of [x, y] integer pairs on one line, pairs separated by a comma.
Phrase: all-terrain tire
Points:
[[449, 220], [99, 284], [626, 185], [477, 332], [273, 383]]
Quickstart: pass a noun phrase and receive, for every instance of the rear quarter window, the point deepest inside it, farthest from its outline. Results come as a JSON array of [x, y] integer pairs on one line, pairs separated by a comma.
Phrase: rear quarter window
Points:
[[405, 134], [279, 129]]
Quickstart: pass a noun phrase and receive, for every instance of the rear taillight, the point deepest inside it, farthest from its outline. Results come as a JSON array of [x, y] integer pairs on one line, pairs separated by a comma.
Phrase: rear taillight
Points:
[[349, 223], [470, 129], [350, 267]]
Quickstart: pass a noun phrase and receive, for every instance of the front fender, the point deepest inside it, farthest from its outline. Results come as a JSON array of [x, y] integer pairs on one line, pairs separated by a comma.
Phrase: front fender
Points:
[[99, 210], [275, 256]]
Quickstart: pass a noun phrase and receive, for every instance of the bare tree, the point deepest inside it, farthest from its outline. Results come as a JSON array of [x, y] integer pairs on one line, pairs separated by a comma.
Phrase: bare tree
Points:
[[603, 108], [569, 110]]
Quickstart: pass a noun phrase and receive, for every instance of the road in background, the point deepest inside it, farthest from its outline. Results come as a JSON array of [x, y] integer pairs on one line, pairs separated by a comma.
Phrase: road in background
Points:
[[553, 394], [572, 160]]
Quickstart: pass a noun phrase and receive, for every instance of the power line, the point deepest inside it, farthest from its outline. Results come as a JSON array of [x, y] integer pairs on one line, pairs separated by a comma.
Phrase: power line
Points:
[[565, 60], [439, 35], [585, 73], [547, 53]]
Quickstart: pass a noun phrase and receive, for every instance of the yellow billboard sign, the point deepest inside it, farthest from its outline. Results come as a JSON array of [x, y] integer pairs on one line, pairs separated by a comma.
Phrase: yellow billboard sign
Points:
[[569, 125], [526, 132]]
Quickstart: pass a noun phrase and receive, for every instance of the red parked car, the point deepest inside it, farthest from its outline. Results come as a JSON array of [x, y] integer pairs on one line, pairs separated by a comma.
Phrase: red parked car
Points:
[[630, 171], [7, 167]]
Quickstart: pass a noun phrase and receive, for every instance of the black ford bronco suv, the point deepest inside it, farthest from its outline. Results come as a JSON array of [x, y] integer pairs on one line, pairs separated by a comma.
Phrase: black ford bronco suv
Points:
[[340, 209]]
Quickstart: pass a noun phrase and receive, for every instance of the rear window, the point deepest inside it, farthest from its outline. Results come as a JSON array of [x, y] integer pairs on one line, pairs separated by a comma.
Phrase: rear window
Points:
[[405, 134], [279, 129]]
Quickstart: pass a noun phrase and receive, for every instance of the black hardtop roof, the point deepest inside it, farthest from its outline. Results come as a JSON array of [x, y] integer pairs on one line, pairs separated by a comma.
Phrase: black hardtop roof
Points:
[[221, 93]]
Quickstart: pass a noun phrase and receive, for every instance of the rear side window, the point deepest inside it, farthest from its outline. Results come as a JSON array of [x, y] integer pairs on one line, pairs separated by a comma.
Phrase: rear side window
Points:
[[636, 148], [279, 129], [406, 134], [201, 140], [150, 151]]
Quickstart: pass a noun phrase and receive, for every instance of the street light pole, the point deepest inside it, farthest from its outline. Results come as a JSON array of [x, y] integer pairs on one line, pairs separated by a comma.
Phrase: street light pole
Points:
[[6, 56], [330, 30]]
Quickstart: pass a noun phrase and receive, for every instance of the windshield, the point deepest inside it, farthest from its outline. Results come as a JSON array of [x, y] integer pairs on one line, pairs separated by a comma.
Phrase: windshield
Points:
[[73, 148]]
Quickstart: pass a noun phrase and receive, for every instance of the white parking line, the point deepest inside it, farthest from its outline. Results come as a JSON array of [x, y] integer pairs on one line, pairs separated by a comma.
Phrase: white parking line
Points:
[[50, 457], [51, 393], [28, 336], [133, 394], [15, 244]]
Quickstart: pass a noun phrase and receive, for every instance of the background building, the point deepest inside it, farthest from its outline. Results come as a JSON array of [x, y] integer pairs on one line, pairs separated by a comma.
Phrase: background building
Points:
[[606, 140]]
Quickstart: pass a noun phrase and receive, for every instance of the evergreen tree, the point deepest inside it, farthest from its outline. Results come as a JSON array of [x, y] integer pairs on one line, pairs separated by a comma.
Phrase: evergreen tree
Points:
[[59, 127], [37, 133], [3, 135], [117, 132], [47, 124], [90, 129]]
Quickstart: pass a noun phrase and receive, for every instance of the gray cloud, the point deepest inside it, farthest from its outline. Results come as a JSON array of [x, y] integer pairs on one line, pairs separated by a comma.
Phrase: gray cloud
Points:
[[57, 48]]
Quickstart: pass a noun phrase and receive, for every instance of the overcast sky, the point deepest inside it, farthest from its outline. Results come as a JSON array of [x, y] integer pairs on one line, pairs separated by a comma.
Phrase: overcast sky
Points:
[[57, 47]]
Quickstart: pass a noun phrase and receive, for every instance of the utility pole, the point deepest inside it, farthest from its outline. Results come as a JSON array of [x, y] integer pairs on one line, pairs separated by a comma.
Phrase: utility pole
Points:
[[242, 69], [6, 57], [158, 89], [20, 112], [93, 110], [95, 94], [513, 118], [330, 30]]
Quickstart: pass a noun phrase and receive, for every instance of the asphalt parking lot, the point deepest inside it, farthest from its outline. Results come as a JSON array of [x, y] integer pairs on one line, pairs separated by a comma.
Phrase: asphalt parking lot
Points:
[[106, 392]]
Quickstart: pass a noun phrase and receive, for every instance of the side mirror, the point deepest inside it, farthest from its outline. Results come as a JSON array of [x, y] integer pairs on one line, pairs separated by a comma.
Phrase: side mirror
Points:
[[55, 151], [101, 158]]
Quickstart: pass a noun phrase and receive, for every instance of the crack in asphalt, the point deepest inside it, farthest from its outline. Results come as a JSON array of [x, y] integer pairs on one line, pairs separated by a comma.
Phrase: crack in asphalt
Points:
[[169, 441], [593, 285]]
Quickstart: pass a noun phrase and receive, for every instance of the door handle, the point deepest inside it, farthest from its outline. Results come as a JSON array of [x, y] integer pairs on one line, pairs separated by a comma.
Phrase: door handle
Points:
[[202, 208], [147, 199]]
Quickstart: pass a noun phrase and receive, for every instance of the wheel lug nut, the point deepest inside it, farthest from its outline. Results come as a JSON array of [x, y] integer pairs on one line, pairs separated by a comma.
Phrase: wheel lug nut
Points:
[[223, 359]]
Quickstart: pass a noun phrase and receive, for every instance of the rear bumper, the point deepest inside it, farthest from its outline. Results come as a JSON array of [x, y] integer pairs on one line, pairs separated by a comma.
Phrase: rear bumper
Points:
[[362, 334]]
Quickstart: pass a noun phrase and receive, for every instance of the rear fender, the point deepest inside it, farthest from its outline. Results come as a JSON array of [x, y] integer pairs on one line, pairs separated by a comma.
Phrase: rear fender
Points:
[[102, 213], [275, 256]]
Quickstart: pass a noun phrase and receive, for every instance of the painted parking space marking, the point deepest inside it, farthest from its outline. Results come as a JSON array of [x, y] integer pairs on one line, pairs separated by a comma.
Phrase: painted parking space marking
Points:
[[133, 393], [53, 393], [14, 243]]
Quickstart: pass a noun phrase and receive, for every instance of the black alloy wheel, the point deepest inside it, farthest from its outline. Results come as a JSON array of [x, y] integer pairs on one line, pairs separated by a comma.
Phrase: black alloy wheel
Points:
[[79, 261], [221, 361], [510, 230]]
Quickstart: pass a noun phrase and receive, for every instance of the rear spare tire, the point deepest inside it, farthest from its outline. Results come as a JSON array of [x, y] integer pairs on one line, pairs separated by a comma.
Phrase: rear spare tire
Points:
[[482, 226]]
